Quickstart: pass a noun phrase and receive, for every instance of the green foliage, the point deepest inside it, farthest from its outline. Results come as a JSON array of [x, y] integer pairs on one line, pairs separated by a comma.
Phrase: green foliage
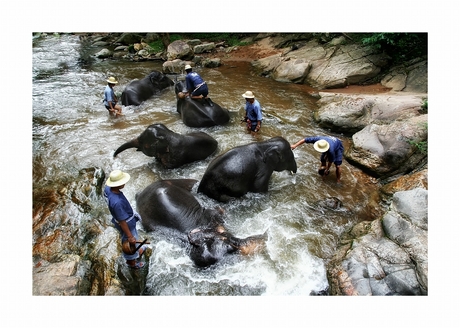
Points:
[[400, 46], [425, 105], [422, 146], [157, 46]]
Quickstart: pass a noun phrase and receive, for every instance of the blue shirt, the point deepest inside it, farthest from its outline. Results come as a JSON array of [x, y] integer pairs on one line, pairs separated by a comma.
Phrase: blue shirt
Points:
[[109, 95], [253, 111], [119, 207], [192, 80], [335, 151]]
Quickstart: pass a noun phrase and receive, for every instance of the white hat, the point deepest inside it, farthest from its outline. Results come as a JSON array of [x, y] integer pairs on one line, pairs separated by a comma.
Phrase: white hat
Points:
[[187, 67], [117, 178], [248, 94], [321, 145], [112, 80]]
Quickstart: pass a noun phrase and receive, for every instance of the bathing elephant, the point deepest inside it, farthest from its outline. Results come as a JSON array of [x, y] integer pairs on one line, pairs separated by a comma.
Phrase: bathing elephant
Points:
[[198, 112], [246, 168], [170, 148], [140, 90], [170, 204]]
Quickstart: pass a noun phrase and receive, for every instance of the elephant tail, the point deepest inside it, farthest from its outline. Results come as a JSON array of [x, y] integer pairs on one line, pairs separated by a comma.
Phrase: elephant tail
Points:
[[130, 144]]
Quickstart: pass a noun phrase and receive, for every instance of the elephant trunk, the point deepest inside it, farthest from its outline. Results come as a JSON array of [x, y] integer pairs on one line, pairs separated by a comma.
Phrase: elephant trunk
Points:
[[249, 245], [130, 144]]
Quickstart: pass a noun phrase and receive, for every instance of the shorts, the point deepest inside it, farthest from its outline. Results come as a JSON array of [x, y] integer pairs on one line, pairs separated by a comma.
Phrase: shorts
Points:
[[338, 157], [203, 91], [253, 125]]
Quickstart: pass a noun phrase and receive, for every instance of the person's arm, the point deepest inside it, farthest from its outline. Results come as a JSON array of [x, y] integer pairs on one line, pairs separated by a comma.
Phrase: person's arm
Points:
[[125, 228], [298, 143]]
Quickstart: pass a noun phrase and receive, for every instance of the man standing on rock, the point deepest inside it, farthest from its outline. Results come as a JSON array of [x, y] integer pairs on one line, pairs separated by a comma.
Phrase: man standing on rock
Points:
[[196, 86], [331, 149]]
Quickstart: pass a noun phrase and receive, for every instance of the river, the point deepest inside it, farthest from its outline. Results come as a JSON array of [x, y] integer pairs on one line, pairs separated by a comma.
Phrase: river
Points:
[[72, 130]]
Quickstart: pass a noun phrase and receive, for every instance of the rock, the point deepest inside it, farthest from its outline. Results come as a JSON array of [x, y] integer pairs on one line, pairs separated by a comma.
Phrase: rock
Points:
[[179, 50], [385, 150], [104, 53], [409, 77], [350, 113], [204, 47], [211, 63], [387, 256], [406, 182], [129, 38]]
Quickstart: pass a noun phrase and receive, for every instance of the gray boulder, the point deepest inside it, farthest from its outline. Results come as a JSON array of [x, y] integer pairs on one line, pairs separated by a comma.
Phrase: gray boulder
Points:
[[387, 256], [350, 113], [386, 150], [179, 50]]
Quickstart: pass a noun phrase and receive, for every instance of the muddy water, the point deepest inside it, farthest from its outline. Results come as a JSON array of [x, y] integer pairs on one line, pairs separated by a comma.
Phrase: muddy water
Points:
[[72, 130]]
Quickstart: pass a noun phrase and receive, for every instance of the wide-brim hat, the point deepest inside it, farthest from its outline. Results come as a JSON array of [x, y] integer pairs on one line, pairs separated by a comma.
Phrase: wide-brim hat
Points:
[[321, 145], [187, 67], [248, 94], [117, 178], [112, 80]]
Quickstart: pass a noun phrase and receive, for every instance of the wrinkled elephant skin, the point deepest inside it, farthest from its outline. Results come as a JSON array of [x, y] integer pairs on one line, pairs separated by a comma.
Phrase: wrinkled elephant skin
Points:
[[170, 204], [246, 168], [139, 91], [198, 112], [171, 149]]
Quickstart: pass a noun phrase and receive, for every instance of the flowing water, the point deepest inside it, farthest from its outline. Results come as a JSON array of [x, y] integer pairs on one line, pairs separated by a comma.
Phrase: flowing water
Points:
[[72, 130]]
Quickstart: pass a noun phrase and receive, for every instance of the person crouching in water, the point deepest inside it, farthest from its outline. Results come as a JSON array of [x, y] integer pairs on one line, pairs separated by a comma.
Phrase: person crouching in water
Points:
[[196, 86], [124, 217], [331, 149]]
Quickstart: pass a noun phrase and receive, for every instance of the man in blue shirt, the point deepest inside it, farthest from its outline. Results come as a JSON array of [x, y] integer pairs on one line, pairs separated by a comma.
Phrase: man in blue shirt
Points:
[[196, 86], [253, 116], [123, 216], [331, 149], [110, 100]]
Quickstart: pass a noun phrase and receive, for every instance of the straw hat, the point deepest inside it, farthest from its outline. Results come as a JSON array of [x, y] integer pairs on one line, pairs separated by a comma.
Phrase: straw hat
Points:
[[248, 94], [321, 145], [117, 178], [112, 80], [187, 67]]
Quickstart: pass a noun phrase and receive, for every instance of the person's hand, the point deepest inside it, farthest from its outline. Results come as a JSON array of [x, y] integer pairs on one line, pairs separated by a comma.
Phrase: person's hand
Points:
[[132, 240]]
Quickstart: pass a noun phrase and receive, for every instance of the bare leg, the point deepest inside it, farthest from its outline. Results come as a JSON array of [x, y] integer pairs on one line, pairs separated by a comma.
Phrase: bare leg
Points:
[[338, 173]]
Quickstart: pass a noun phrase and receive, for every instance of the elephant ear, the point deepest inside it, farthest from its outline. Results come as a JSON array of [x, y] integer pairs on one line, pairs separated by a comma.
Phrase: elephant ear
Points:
[[272, 155]]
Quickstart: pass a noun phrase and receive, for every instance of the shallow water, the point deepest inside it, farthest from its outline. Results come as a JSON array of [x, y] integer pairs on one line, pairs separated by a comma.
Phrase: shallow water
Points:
[[72, 130]]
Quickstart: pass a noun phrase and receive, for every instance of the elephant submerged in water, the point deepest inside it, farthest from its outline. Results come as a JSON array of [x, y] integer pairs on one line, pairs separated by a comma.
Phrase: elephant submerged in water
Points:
[[199, 112], [170, 148], [170, 204], [139, 91], [246, 168]]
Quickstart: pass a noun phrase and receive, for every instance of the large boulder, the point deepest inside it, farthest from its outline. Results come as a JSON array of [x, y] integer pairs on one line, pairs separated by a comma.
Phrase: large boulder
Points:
[[179, 49], [350, 113], [409, 77], [329, 65], [387, 256], [390, 149]]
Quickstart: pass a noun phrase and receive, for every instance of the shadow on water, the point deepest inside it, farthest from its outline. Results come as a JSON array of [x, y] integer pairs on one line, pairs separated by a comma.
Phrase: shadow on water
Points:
[[72, 130]]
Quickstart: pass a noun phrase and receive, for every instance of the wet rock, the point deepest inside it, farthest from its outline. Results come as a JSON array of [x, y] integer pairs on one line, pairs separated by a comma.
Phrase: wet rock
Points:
[[179, 50], [387, 256]]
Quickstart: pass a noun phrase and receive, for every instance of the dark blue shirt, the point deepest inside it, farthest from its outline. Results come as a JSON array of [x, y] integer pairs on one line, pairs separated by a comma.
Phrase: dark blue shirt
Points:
[[193, 80], [335, 151], [119, 207], [253, 111]]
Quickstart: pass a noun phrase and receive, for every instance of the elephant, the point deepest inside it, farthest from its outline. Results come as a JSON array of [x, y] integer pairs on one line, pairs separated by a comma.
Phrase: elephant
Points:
[[140, 90], [169, 205], [170, 148], [198, 112], [246, 168]]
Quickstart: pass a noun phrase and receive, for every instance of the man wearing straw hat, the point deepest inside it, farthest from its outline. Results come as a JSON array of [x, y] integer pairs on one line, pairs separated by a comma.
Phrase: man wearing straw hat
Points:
[[253, 116], [124, 217], [331, 149], [110, 100]]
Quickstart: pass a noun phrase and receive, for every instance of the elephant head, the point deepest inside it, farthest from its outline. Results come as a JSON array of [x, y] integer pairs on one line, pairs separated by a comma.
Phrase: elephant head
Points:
[[159, 80], [170, 148], [208, 246], [279, 155]]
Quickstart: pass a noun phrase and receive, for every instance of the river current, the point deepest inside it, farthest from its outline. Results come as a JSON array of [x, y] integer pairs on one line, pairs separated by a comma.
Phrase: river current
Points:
[[72, 130]]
